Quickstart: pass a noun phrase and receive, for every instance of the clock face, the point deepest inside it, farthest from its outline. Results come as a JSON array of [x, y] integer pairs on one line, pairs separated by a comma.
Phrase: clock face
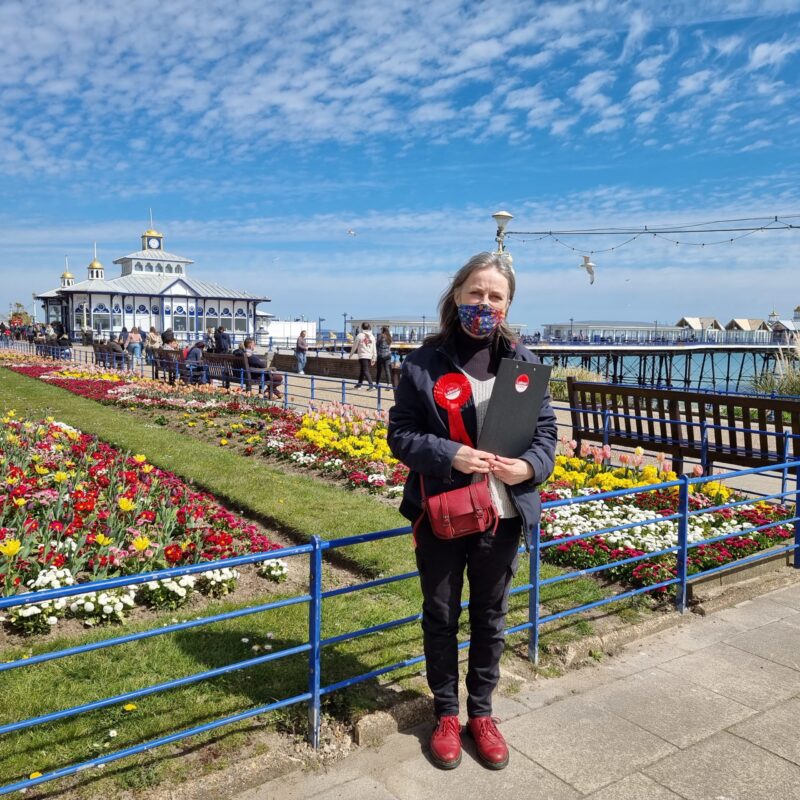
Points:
[[154, 243]]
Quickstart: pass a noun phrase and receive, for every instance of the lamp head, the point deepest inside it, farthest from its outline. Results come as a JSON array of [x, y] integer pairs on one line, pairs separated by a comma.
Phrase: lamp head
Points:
[[502, 218]]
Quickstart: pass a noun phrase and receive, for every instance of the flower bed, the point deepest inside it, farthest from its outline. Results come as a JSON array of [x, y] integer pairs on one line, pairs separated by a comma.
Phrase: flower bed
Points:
[[587, 475], [73, 508]]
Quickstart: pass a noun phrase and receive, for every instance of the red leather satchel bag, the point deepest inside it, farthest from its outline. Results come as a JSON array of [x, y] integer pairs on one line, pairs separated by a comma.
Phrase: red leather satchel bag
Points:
[[461, 512]]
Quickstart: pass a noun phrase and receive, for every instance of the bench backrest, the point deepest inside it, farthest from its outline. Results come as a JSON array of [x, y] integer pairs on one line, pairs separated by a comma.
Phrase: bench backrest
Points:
[[739, 429]]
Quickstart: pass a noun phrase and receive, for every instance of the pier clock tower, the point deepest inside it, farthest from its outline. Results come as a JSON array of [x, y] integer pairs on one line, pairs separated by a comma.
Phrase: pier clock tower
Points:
[[152, 240]]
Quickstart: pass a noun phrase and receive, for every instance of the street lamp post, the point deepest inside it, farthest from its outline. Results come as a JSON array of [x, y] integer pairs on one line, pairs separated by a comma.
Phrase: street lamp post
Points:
[[502, 218], [423, 327], [570, 329], [344, 326], [319, 327], [33, 297], [655, 334]]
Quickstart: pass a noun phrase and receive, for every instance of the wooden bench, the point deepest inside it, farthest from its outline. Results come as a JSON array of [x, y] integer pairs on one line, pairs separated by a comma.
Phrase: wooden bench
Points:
[[732, 429], [227, 369], [106, 357]]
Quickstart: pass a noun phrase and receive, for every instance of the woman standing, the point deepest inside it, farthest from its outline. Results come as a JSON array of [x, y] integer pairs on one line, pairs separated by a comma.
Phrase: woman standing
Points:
[[134, 347], [364, 350], [440, 405], [384, 350]]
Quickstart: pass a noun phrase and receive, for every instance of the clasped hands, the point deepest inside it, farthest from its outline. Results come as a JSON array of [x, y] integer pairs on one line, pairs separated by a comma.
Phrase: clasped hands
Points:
[[510, 471]]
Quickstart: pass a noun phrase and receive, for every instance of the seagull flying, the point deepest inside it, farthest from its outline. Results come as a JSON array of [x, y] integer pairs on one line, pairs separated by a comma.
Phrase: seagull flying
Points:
[[589, 267], [351, 232]]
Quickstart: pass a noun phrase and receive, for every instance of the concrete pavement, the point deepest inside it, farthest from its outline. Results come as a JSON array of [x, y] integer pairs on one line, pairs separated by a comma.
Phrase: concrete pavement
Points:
[[707, 710]]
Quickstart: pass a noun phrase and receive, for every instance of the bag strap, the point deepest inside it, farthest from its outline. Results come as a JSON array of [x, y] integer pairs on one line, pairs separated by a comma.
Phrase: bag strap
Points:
[[471, 487]]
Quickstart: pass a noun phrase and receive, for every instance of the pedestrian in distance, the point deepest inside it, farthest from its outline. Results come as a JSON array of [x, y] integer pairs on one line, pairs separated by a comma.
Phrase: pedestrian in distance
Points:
[[301, 353], [364, 350], [384, 352], [440, 403]]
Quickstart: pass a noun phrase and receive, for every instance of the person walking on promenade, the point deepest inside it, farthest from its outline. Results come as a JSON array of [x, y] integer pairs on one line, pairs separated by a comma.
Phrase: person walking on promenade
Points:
[[445, 386], [210, 341], [301, 353], [222, 340], [134, 347], [384, 351], [364, 350], [152, 343]]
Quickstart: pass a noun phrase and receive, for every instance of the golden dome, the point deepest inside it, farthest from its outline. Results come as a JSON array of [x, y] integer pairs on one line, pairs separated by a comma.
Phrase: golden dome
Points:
[[151, 232], [95, 264], [67, 274]]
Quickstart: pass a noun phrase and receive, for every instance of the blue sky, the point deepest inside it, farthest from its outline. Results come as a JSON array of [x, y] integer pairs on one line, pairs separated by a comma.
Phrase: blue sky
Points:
[[260, 133]]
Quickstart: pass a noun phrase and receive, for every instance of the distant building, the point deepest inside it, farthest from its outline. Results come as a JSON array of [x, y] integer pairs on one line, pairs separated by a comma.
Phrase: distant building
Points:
[[153, 289], [406, 329], [687, 329]]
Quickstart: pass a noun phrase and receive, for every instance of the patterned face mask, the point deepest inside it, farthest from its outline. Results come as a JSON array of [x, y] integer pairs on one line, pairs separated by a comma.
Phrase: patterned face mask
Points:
[[480, 319]]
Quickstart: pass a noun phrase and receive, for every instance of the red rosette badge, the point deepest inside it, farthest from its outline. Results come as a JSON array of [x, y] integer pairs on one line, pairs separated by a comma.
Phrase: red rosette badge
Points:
[[451, 392]]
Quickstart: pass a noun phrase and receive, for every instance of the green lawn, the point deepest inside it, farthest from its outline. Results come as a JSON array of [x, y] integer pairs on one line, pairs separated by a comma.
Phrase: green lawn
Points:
[[297, 505]]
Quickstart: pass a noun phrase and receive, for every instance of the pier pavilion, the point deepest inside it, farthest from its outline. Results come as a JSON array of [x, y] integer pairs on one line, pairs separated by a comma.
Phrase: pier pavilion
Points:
[[153, 289]]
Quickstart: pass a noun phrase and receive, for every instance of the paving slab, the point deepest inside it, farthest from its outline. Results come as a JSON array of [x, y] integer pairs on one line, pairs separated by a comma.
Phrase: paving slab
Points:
[[647, 653], [790, 596], [728, 767], [778, 642], [677, 710], [699, 633], [756, 612], [584, 745], [774, 730], [412, 780], [746, 678], [634, 787], [359, 789]]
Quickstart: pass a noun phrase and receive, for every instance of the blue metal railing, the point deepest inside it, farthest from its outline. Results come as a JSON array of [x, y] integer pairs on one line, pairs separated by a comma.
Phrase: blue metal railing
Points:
[[315, 597]]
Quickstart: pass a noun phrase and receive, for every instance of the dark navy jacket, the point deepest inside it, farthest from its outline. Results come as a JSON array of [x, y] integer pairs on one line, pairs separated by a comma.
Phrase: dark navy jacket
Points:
[[419, 434]]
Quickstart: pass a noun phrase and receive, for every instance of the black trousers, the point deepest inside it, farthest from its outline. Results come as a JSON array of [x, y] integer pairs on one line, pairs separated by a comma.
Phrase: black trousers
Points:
[[364, 374], [385, 369], [490, 563]]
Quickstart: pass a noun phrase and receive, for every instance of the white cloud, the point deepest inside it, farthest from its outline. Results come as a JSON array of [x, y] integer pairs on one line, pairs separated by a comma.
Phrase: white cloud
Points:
[[641, 90], [639, 26], [696, 82], [587, 91], [770, 54]]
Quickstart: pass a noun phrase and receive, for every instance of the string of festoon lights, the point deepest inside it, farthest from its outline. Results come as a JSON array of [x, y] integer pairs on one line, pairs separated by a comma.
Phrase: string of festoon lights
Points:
[[741, 228]]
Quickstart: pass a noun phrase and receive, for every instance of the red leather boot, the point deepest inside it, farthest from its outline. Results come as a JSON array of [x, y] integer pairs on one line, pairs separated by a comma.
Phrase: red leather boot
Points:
[[489, 742], [446, 743]]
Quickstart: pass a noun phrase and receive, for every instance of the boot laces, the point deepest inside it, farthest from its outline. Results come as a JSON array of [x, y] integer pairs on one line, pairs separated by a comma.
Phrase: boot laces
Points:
[[487, 728], [448, 725]]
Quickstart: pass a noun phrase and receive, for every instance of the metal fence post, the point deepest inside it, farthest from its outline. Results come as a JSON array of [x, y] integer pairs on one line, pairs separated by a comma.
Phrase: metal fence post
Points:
[[533, 594], [785, 475], [314, 637], [704, 446], [313, 388], [344, 391], [797, 521], [606, 421], [682, 556], [286, 390]]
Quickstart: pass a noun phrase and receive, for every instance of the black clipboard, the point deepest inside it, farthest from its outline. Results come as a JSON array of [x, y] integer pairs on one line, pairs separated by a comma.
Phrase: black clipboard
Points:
[[517, 397]]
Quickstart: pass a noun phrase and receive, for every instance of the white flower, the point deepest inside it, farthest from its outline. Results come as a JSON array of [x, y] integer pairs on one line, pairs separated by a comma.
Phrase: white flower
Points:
[[52, 620]]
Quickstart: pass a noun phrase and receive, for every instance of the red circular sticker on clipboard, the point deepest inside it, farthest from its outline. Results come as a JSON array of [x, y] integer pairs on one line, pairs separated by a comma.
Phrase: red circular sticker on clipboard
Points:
[[521, 383]]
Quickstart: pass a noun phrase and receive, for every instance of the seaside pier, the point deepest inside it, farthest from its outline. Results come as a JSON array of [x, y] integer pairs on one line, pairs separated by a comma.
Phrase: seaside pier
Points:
[[725, 367]]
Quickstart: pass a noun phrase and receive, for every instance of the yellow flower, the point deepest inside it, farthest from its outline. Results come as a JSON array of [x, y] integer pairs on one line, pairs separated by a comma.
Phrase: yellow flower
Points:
[[10, 547], [129, 707], [19, 502], [223, 442], [34, 775], [139, 458], [147, 468], [141, 543], [60, 477], [125, 504], [102, 539]]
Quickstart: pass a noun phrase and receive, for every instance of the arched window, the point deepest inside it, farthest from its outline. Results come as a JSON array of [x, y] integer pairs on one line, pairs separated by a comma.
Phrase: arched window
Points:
[[180, 310], [129, 309], [168, 268], [141, 309], [148, 268], [211, 311], [117, 309], [138, 265], [100, 309], [155, 310], [226, 312], [179, 270], [159, 268]]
